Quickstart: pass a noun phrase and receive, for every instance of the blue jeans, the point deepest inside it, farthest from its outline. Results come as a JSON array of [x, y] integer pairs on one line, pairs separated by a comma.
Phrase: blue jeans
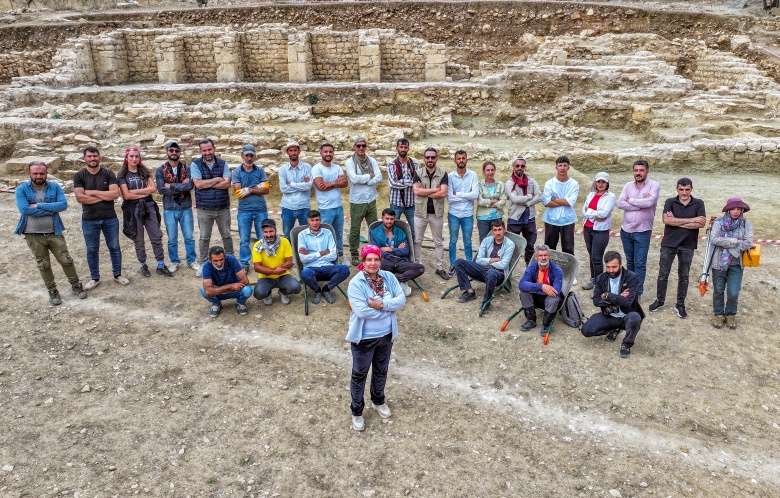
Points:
[[636, 245], [466, 226], [465, 269], [110, 229], [241, 296], [730, 281], [173, 219], [289, 216], [245, 221], [335, 218], [408, 212], [334, 274]]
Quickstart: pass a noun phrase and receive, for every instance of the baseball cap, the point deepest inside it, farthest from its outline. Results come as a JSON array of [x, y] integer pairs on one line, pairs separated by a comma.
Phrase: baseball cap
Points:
[[248, 149], [268, 222], [172, 144]]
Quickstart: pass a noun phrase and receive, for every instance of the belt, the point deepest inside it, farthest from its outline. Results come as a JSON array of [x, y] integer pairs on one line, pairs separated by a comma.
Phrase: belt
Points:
[[44, 234]]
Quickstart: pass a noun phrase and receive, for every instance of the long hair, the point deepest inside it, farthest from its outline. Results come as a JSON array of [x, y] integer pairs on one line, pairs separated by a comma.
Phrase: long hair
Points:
[[143, 171]]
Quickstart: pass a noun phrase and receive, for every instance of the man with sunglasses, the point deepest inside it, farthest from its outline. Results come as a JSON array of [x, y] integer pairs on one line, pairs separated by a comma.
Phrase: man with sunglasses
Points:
[[430, 190], [174, 183], [523, 193], [363, 175], [400, 174], [251, 185]]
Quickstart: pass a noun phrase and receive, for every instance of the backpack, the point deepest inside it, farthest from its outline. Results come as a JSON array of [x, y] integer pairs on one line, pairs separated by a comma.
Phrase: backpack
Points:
[[572, 311]]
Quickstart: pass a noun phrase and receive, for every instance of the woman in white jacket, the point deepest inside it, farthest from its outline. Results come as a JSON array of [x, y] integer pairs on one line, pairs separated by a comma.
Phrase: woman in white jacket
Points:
[[597, 221]]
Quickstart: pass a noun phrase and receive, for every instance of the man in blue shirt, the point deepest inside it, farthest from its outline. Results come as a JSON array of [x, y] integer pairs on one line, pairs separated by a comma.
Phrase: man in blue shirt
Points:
[[251, 185], [223, 278], [329, 179], [559, 196], [317, 250], [392, 241], [462, 191], [295, 183], [540, 287]]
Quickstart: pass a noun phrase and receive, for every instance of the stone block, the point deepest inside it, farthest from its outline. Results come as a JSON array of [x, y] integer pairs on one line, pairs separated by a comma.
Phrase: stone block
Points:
[[19, 164]]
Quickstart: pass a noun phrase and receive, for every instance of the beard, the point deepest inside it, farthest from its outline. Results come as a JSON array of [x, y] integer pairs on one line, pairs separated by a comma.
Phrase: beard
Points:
[[402, 154], [293, 157]]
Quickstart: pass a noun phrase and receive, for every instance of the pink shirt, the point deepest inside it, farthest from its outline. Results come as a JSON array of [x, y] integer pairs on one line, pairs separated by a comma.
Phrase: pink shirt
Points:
[[639, 205]]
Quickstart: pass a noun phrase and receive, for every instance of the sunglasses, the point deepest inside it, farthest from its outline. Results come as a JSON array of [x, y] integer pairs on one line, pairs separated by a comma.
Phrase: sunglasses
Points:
[[429, 157], [519, 166], [361, 146], [174, 150]]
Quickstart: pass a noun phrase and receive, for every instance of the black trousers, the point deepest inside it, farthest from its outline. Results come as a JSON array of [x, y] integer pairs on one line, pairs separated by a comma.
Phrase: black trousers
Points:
[[596, 242], [566, 233], [528, 231], [366, 354], [601, 324]]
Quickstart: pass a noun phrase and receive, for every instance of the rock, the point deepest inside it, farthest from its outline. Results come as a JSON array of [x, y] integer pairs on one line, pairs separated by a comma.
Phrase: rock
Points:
[[84, 139], [8, 468], [19, 164], [615, 493], [86, 389]]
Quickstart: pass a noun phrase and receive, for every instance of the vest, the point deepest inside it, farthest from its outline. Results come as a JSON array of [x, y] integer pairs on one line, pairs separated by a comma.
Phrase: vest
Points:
[[421, 203], [213, 199]]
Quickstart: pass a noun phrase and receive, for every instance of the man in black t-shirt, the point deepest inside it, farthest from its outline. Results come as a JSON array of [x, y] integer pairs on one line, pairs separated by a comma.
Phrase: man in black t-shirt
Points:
[[430, 190], [683, 217], [96, 189]]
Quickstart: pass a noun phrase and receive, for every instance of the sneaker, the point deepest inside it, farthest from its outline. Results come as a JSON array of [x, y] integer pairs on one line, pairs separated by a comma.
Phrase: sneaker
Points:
[[656, 305], [144, 271], [78, 290], [268, 301], [91, 284], [589, 284], [285, 298], [718, 321], [544, 330], [625, 351], [451, 271], [407, 289], [358, 422], [198, 270], [194, 265], [54, 297], [354, 260], [317, 297], [467, 296], [173, 267], [574, 282], [345, 260], [328, 297], [215, 309], [612, 336], [246, 270], [121, 280], [164, 271], [680, 310], [731, 321], [528, 325], [241, 309], [443, 274], [383, 410]]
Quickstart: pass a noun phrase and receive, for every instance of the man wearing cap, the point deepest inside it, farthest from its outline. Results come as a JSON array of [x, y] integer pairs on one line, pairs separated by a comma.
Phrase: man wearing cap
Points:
[[329, 179], [462, 191], [430, 190], [317, 250], [295, 182], [174, 182], [559, 196], [251, 185], [523, 193], [363, 175], [683, 217], [211, 176], [272, 258], [400, 174]]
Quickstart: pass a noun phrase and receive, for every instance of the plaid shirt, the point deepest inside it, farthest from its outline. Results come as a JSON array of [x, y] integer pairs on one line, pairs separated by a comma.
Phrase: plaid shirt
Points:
[[401, 186]]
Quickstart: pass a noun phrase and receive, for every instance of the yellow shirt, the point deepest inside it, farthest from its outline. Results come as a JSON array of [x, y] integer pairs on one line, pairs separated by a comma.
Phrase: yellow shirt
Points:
[[282, 253]]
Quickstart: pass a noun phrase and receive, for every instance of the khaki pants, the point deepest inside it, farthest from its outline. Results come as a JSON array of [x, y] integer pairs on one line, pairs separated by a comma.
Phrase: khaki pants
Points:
[[437, 228], [40, 246], [358, 212]]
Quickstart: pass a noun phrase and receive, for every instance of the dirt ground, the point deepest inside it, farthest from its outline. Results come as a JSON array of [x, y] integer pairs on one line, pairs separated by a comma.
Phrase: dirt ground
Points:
[[135, 390]]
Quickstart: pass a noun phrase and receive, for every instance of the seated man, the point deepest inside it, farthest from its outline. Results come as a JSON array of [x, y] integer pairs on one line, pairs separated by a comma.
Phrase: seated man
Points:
[[272, 258], [223, 278], [490, 265], [317, 249], [540, 287], [616, 292], [395, 251]]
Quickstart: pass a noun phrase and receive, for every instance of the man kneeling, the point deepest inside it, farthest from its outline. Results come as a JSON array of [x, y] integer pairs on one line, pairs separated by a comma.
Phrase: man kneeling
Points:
[[317, 249], [490, 265], [395, 251], [272, 257], [616, 293], [223, 278], [540, 287]]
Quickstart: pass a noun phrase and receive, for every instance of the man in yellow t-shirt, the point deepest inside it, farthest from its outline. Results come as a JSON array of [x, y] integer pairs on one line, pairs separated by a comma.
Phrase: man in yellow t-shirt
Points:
[[272, 257]]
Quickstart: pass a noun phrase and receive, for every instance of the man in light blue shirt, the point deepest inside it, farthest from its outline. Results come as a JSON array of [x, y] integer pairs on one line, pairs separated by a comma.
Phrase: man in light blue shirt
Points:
[[251, 185], [462, 191], [559, 196], [329, 179], [295, 182], [363, 175], [317, 251]]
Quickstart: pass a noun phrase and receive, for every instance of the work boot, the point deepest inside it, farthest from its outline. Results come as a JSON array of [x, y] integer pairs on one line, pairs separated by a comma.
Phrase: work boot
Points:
[[54, 296], [546, 321], [530, 319], [78, 290], [718, 321], [731, 321]]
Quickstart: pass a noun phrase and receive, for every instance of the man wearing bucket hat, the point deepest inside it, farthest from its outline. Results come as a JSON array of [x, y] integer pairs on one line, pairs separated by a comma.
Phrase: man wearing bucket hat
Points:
[[363, 175], [251, 186], [731, 234], [683, 217], [295, 181]]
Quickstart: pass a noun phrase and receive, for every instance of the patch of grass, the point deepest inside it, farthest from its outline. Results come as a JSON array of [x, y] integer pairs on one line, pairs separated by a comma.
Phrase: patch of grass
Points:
[[56, 115], [445, 334], [211, 480], [313, 98], [244, 460], [277, 454]]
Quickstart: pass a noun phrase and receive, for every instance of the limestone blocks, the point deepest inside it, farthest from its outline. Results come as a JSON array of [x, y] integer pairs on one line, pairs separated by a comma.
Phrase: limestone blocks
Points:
[[299, 57], [109, 55], [169, 53], [369, 56], [227, 53], [435, 62]]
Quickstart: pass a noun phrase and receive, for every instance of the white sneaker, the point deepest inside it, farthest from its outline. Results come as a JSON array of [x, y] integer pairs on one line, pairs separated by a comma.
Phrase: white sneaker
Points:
[[407, 289], [194, 265], [285, 298], [198, 270], [173, 267], [121, 280], [383, 410], [91, 285], [574, 282], [358, 422], [345, 259], [268, 301]]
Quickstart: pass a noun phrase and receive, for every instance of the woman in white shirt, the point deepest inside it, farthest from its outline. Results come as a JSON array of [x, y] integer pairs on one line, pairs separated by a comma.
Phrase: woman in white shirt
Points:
[[597, 221]]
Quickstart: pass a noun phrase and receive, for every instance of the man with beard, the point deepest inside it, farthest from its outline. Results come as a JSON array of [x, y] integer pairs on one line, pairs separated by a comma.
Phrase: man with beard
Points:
[[329, 179], [223, 278], [462, 191], [174, 182], [616, 293], [430, 190], [40, 203], [317, 250], [523, 193], [295, 182], [251, 185], [272, 257], [400, 173], [211, 176], [363, 175], [540, 287], [391, 240]]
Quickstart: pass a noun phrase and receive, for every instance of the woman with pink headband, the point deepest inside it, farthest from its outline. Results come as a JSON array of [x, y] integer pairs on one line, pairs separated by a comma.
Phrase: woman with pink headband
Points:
[[375, 297], [136, 183]]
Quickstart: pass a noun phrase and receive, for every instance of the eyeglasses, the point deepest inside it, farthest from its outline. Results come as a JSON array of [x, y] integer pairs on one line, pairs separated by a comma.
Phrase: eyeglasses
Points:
[[429, 157], [361, 146], [519, 166], [174, 150]]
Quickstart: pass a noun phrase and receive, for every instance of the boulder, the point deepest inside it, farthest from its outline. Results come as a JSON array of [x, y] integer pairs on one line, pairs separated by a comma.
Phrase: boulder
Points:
[[19, 164]]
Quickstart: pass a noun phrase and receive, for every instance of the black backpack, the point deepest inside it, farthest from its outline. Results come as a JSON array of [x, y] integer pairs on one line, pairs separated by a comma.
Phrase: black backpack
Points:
[[572, 311]]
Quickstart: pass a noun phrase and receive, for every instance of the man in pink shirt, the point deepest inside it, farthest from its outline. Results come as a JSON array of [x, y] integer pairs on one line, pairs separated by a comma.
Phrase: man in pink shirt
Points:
[[638, 200]]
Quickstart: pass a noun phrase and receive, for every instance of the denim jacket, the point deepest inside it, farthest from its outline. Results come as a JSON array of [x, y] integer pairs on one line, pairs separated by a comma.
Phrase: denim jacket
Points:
[[54, 202]]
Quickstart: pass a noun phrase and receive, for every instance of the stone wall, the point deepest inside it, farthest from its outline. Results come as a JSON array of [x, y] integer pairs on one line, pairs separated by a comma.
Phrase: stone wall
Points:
[[141, 64], [403, 58], [15, 63], [335, 56], [264, 53], [199, 61], [716, 69], [109, 54]]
